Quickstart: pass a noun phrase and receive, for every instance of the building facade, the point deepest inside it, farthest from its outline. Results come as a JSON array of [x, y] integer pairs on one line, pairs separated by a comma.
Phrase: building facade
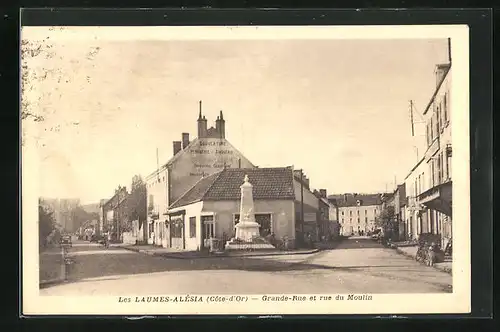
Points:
[[192, 160], [307, 208], [115, 214], [357, 212], [429, 183], [210, 209], [415, 214], [438, 198]]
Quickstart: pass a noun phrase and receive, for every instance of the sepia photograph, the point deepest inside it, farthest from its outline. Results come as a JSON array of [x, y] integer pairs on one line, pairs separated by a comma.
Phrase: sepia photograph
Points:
[[245, 169]]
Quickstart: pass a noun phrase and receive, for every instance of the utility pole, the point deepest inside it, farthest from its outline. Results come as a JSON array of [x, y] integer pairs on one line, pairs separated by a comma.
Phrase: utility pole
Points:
[[411, 117]]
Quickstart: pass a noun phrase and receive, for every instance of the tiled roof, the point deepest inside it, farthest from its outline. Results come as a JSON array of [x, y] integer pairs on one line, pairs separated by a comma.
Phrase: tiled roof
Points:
[[268, 183], [196, 192], [366, 199]]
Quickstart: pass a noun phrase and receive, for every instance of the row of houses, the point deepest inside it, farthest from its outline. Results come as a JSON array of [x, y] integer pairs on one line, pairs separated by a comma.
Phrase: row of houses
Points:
[[423, 203], [195, 195]]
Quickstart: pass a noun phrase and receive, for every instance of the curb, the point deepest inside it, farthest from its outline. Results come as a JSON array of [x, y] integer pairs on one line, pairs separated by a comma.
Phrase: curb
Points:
[[147, 252], [442, 269], [49, 283]]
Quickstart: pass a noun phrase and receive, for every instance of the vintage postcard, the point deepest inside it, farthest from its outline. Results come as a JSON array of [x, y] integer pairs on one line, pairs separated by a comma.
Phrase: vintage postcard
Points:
[[245, 170]]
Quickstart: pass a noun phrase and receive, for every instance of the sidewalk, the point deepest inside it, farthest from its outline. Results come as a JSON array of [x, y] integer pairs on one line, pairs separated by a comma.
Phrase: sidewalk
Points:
[[52, 268], [172, 253], [411, 251]]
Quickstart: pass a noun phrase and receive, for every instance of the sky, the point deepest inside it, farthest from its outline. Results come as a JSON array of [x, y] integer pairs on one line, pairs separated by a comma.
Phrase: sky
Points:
[[339, 109]]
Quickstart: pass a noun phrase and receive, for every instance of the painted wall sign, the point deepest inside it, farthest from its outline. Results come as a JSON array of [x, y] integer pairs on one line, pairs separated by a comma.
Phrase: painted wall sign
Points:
[[202, 158]]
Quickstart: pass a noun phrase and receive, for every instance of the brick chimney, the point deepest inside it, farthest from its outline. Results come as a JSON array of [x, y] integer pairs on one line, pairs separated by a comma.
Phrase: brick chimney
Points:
[[202, 125], [322, 193], [177, 147], [185, 140]]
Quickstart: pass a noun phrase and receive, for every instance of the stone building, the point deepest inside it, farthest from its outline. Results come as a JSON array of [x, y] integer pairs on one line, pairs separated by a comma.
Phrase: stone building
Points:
[[115, 214], [429, 183], [357, 212], [191, 161]]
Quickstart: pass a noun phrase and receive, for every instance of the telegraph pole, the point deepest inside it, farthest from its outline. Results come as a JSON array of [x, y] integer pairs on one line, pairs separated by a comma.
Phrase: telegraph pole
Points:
[[411, 117]]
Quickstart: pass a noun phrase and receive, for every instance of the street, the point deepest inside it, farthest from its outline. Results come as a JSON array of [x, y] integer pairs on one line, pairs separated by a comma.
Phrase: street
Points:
[[355, 266]]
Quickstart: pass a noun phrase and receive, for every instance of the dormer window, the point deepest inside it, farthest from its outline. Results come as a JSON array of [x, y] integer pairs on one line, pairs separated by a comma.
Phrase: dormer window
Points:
[[359, 202]]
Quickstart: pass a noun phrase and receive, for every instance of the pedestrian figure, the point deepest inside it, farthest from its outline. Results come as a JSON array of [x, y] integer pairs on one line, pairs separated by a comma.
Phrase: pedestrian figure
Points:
[[310, 240]]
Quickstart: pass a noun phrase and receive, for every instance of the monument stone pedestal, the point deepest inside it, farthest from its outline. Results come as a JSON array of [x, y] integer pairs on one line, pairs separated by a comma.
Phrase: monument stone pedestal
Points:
[[247, 229]]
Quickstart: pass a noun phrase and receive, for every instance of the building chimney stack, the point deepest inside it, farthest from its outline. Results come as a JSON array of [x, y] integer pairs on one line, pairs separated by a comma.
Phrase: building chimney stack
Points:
[[322, 193], [185, 140], [202, 124], [177, 147]]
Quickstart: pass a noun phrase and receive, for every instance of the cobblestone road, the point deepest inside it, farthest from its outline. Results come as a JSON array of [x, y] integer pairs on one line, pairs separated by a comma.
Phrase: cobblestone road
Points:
[[356, 266]]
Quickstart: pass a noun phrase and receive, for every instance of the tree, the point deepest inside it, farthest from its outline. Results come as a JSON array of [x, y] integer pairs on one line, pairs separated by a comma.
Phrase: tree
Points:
[[387, 220], [137, 200], [80, 216], [42, 62], [46, 224]]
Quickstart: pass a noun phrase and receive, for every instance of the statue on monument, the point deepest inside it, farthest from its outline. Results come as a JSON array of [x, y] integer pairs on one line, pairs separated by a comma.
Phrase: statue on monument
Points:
[[247, 230]]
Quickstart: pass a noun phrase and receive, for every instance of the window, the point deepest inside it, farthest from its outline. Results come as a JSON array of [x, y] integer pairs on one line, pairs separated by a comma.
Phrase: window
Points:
[[432, 172], [431, 134], [438, 116], [358, 212], [448, 166], [342, 212], [366, 211], [427, 135], [445, 108], [350, 213], [436, 126], [366, 220], [418, 185], [358, 220], [192, 227]]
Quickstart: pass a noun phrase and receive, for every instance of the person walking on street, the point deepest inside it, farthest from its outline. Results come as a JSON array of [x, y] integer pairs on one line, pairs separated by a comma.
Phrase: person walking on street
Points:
[[106, 240]]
